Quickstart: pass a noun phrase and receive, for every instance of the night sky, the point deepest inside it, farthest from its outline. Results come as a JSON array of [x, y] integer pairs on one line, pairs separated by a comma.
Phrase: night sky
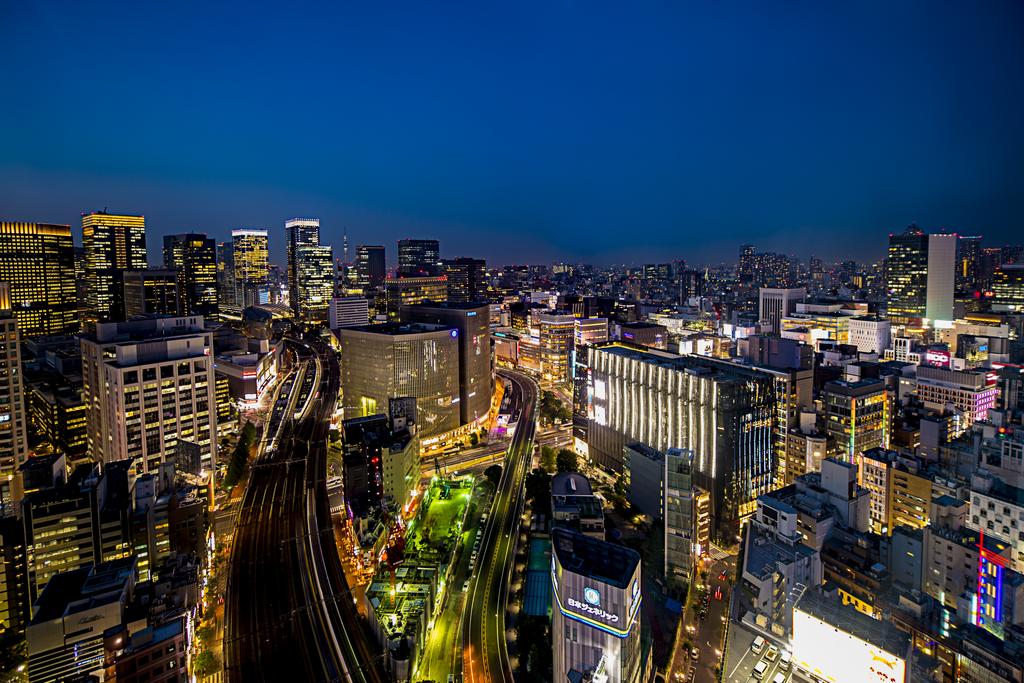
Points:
[[521, 132]]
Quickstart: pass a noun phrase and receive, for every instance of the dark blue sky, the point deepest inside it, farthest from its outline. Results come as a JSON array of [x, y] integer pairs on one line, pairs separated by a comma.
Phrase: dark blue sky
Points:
[[523, 132]]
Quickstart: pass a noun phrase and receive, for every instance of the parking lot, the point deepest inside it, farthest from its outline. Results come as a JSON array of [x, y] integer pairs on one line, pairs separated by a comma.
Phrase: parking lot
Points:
[[742, 660]]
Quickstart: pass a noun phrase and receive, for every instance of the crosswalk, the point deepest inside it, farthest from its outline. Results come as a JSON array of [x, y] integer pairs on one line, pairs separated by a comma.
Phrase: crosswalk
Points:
[[215, 677]]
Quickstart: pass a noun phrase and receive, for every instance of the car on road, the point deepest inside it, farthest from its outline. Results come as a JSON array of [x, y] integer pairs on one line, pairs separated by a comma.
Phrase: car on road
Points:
[[785, 657], [772, 654], [760, 668], [779, 678], [758, 644], [718, 593], [694, 653], [723, 576], [465, 585]]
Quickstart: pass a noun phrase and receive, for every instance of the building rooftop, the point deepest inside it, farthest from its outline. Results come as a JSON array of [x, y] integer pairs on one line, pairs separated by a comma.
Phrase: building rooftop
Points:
[[832, 611], [765, 554], [612, 564], [570, 484], [451, 305], [397, 329], [85, 588]]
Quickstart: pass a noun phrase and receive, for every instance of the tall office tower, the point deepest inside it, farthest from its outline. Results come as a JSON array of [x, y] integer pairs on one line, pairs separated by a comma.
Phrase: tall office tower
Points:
[[371, 268], [300, 233], [745, 267], [856, 417], [149, 391], [776, 303], [193, 256], [921, 275], [226, 302], [557, 334], [968, 263], [419, 258], [151, 292], [467, 279], [37, 260], [595, 623], [473, 324], [907, 275], [406, 291], [250, 265], [381, 362], [315, 287], [941, 281], [113, 244], [13, 426], [724, 412]]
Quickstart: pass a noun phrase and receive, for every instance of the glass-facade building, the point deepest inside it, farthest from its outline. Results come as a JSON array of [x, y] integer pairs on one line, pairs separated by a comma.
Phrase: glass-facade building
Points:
[[250, 267], [380, 362], [113, 244], [193, 257], [37, 260]]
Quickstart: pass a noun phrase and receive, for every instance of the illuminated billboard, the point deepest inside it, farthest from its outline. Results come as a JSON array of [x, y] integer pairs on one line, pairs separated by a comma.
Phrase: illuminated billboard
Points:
[[835, 655]]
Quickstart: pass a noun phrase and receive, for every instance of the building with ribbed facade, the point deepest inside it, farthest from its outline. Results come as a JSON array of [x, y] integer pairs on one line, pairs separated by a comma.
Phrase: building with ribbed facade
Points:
[[381, 362], [723, 412], [250, 268]]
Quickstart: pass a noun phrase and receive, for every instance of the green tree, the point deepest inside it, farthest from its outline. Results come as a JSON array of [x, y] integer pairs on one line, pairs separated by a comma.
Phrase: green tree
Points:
[[567, 461], [493, 474], [473, 439], [548, 458], [204, 664]]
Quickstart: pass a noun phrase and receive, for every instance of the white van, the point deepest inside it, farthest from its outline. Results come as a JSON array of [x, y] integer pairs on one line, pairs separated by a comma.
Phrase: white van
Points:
[[784, 659], [760, 668], [779, 678], [758, 644]]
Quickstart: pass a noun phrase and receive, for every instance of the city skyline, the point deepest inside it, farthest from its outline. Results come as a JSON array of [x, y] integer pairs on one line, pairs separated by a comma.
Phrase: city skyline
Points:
[[690, 130]]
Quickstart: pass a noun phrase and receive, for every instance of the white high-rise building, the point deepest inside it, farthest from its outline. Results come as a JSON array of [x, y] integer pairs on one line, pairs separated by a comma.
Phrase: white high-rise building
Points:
[[149, 391], [776, 303], [13, 430], [941, 279]]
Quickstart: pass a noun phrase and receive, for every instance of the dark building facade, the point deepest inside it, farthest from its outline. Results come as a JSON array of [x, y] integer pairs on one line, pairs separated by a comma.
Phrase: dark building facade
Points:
[[419, 258], [193, 257]]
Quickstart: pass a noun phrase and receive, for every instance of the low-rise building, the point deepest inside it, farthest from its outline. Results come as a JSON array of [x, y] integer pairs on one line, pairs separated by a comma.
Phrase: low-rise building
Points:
[[574, 505]]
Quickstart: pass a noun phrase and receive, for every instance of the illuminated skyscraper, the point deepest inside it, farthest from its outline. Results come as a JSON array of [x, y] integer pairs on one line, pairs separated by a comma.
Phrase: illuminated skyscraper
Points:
[[113, 244], [152, 292], [250, 267], [315, 269], [467, 280], [920, 277], [13, 427], [310, 269], [37, 260], [856, 416], [370, 266], [299, 233], [419, 258], [194, 258], [226, 279]]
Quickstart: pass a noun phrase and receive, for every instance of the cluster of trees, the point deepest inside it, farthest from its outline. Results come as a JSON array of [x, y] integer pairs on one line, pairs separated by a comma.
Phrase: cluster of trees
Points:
[[562, 460], [552, 408], [240, 456]]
